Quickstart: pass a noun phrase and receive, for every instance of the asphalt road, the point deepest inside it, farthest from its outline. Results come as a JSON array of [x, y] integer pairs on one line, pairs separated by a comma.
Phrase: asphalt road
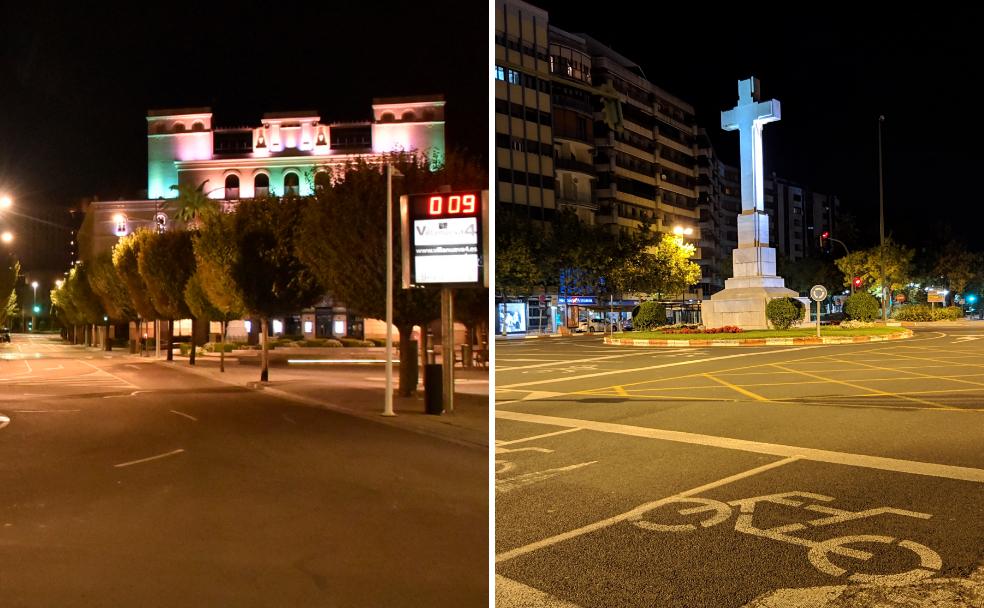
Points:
[[129, 483], [719, 477]]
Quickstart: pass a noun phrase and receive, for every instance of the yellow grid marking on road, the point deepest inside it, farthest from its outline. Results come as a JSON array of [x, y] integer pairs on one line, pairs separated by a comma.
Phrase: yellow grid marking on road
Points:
[[737, 388], [939, 361], [922, 375], [620, 391], [866, 388]]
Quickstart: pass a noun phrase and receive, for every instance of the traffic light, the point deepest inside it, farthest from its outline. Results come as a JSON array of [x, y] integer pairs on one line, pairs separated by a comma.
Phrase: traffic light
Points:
[[37, 309], [825, 241], [971, 298], [857, 281]]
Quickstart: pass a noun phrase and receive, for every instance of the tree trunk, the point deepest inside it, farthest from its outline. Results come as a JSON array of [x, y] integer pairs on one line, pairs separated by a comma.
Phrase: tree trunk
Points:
[[408, 355], [108, 345], [222, 336], [170, 340], [194, 347], [264, 353]]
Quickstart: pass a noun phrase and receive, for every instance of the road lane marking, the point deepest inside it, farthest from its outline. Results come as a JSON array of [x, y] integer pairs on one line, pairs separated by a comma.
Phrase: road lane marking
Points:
[[865, 388], [159, 456], [736, 388], [512, 441], [521, 481], [4, 421], [652, 367], [44, 411], [288, 418], [921, 374], [638, 511], [188, 416], [126, 395], [537, 395], [912, 467], [513, 594], [99, 369], [588, 360], [620, 391]]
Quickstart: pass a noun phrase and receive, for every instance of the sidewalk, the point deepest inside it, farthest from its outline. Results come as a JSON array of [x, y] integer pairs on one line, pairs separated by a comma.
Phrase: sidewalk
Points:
[[358, 390]]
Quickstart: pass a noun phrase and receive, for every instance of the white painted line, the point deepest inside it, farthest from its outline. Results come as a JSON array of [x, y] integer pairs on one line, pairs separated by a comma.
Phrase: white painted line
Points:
[[526, 479], [288, 419], [54, 368], [44, 411], [636, 512], [571, 361], [538, 395], [99, 369], [127, 395], [188, 416], [650, 367], [171, 453], [4, 421], [500, 443], [512, 594], [912, 467]]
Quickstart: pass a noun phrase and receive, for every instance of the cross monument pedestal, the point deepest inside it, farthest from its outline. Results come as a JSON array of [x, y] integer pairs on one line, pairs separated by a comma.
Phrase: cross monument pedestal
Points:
[[744, 297]]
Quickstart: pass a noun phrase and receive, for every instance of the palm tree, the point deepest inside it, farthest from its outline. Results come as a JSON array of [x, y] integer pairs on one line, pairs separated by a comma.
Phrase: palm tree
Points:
[[193, 203]]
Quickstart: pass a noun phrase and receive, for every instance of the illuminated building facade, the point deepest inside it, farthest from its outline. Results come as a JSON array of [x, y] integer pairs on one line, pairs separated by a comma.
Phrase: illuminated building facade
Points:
[[287, 153]]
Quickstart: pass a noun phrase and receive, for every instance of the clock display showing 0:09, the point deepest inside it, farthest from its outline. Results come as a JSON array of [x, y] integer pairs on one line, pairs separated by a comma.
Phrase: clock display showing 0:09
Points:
[[452, 205]]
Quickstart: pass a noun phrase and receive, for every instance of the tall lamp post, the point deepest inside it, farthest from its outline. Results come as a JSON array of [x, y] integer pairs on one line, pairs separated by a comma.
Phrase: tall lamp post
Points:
[[881, 220], [388, 404], [34, 307], [680, 232]]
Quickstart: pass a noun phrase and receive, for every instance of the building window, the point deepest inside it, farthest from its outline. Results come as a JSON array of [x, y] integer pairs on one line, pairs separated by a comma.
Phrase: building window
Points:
[[232, 186], [261, 185], [179, 127], [291, 184], [198, 126], [322, 181], [512, 76], [500, 72], [408, 116], [119, 224]]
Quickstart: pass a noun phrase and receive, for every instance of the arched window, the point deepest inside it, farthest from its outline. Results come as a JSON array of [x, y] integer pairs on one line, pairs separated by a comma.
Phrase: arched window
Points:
[[232, 186], [179, 127], [198, 126], [261, 185], [387, 117], [322, 181], [292, 184], [408, 116]]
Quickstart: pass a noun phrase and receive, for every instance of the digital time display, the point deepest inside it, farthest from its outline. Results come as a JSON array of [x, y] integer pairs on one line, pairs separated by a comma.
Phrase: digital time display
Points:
[[443, 205]]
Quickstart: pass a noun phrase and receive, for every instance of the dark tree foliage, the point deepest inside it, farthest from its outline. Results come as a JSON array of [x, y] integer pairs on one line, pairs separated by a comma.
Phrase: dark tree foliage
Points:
[[166, 262]]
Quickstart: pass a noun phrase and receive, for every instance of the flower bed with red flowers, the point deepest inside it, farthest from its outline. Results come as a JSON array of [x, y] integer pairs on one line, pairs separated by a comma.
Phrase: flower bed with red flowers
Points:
[[694, 329]]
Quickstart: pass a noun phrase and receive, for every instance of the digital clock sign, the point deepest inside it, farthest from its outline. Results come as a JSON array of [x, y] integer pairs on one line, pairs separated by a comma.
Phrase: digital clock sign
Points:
[[444, 240]]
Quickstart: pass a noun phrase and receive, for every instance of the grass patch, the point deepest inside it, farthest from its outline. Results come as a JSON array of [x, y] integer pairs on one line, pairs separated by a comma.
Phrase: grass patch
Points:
[[766, 333]]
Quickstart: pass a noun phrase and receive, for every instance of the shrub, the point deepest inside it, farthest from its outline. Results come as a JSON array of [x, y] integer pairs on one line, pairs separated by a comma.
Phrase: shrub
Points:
[[781, 312], [912, 312], [649, 315], [332, 343], [949, 313], [862, 306], [355, 343], [214, 347]]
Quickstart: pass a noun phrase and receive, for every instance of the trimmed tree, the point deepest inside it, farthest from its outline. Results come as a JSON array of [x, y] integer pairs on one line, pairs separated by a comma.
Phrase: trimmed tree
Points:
[[126, 255], [9, 272], [266, 269], [216, 254], [166, 262], [111, 290]]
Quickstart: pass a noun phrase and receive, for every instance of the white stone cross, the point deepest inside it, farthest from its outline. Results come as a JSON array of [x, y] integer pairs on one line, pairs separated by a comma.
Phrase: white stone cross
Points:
[[748, 118]]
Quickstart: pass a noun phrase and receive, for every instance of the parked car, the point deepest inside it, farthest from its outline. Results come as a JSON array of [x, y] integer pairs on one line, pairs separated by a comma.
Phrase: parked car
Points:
[[596, 324], [4, 334], [626, 326]]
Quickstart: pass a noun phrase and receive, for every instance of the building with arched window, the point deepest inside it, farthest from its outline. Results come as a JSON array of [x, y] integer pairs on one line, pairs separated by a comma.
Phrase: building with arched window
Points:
[[288, 153], [184, 146]]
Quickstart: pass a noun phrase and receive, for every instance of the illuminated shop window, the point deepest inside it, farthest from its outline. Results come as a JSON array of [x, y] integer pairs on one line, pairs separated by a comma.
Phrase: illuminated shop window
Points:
[[119, 223]]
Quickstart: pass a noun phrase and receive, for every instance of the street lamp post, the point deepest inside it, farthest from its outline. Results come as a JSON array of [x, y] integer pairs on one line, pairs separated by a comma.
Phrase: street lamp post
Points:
[[388, 403], [881, 220], [34, 307]]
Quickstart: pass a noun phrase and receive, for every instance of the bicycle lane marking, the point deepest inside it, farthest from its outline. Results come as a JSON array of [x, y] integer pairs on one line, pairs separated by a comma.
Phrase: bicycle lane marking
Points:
[[636, 512], [773, 449]]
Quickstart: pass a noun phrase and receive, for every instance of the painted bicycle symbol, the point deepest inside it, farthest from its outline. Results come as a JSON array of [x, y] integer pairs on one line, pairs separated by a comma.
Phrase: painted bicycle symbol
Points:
[[818, 551]]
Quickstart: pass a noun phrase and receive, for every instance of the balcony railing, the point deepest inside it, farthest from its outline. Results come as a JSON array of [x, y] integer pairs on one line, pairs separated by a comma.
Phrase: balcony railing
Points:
[[569, 164]]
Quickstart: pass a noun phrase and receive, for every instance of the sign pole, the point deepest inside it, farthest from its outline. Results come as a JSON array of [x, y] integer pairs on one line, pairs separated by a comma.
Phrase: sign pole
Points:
[[447, 347], [818, 318]]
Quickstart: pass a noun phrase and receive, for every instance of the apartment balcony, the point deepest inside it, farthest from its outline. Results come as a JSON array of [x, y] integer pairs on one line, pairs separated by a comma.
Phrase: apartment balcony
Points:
[[569, 164], [576, 200]]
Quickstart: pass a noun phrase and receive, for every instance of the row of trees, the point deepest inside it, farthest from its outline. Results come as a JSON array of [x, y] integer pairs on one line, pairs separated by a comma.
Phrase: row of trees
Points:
[[9, 274], [272, 256], [588, 258]]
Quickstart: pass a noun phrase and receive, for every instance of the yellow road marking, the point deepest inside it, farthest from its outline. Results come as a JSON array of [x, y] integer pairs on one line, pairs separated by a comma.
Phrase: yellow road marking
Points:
[[920, 374], [620, 391], [737, 388], [865, 388]]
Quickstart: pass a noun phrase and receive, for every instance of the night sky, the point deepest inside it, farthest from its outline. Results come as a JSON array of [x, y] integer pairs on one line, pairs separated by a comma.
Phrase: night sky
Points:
[[834, 74], [76, 84]]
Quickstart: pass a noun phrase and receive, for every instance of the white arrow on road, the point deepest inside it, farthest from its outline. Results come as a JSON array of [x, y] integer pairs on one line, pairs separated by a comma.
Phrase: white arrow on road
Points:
[[966, 339]]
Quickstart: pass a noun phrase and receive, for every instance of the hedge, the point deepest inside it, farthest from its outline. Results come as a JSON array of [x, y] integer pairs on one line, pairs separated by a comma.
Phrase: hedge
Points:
[[649, 316], [862, 306], [781, 312]]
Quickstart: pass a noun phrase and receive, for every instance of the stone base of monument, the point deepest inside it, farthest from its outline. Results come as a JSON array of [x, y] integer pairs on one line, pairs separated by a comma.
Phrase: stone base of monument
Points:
[[743, 300]]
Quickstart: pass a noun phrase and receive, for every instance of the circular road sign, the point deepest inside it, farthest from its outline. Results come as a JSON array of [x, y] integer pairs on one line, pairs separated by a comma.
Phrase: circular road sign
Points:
[[818, 293]]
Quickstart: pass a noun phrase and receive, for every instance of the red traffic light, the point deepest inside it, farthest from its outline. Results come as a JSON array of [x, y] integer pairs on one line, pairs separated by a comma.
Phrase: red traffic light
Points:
[[857, 281], [825, 235]]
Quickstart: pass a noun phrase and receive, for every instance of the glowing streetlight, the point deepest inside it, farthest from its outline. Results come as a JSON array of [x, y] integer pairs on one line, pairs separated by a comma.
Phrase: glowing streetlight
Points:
[[59, 283], [681, 231], [5, 202], [7, 237]]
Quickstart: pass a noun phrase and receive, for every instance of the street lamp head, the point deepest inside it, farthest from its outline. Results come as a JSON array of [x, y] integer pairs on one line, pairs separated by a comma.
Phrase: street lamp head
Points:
[[7, 237], [6, 202], [34, 284], [59, 283]]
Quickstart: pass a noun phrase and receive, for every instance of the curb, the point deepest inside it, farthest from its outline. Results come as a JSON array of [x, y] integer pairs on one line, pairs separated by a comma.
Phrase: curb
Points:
[[325, 405], [762, 341]]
